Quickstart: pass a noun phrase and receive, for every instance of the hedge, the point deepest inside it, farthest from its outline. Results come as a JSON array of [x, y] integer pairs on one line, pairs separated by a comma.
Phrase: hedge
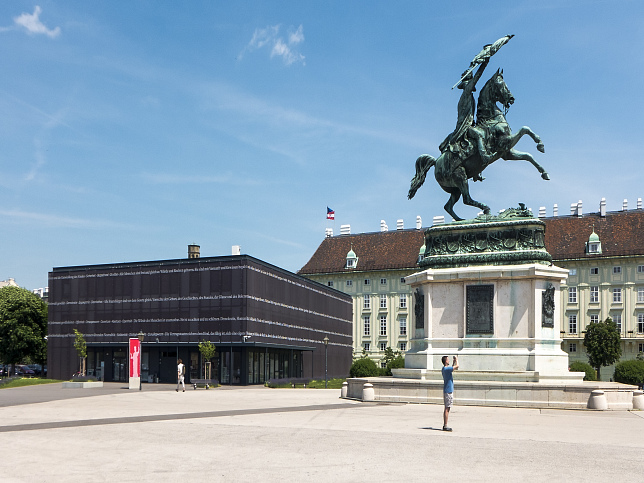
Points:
[[629, 372], [579, 366]]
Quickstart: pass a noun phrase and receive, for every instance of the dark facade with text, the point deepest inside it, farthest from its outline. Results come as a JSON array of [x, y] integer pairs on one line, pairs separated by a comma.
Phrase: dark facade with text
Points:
[[265, 322]]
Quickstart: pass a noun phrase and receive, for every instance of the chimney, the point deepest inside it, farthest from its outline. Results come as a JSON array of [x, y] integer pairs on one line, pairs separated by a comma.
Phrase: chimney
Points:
[[383, 226], [580, 209], [602, 207], [328, 233], [542, 212], [193, 251], [400, 225], [419, 222], [625, 205], [555, 210], [573, 209], [639, 203], [345, 229], [438, 220], [236, 250]]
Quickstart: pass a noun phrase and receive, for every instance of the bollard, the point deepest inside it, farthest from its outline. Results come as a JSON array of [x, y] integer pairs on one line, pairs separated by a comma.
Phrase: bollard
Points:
[[344, 390], [597, 400], [368, 394], [638, 399]]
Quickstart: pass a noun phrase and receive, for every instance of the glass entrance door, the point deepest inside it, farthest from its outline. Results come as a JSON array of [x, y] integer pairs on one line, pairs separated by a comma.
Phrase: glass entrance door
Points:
[[119, 367]]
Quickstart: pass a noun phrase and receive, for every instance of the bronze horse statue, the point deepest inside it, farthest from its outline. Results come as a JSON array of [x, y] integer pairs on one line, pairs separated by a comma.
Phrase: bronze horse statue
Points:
[[454, 167]]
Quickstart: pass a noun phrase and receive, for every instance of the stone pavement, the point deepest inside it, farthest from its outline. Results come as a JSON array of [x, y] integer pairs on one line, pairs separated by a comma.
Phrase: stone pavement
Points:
[[256, 433]]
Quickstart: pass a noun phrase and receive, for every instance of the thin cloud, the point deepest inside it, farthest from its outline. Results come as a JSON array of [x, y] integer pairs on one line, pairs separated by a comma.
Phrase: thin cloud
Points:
[[56, 221], [33, 25], [270, 38]]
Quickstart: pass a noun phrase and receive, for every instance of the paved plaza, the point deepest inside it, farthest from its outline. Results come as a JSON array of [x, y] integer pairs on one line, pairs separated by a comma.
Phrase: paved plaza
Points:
[[259, 434]]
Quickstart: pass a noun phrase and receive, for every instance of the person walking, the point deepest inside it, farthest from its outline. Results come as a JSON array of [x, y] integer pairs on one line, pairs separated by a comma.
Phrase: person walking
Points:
[[448, 387], [181, 372]]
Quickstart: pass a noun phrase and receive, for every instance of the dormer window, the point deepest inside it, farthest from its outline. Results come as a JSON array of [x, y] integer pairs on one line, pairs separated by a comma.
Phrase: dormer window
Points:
[[593, 245], [352, 259]]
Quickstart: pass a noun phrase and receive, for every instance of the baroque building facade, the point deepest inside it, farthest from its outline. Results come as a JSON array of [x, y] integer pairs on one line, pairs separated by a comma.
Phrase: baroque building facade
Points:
[[603, 251]]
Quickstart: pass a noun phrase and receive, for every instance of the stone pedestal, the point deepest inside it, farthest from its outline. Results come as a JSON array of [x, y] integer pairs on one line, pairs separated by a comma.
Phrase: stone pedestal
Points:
[[492, 317]]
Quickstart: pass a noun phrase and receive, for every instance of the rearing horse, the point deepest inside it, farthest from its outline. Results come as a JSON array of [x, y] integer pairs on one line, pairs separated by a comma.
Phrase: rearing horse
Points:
[[452, 172]]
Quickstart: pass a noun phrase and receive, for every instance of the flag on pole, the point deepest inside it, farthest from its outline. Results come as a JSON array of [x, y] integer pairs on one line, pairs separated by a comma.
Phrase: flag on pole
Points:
[[330, 214]]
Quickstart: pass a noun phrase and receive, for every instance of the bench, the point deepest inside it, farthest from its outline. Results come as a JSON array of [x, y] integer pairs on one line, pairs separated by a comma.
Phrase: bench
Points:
[[204, 382]]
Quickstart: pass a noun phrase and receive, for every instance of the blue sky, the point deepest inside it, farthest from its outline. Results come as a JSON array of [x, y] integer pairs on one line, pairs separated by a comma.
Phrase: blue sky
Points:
[[130, 129]]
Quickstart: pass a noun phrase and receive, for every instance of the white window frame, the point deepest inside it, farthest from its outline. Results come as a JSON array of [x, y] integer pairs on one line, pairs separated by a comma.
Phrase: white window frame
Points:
[[349, 283], [641, 347], [367, 281], [640, 269], [367, 346], [383, 346], [366, 326], [383, 281], [617, 295], [617, 270], [594, 319], [594, 293], [572, 324], [640, 294], [403, 300], [383, 301], [617, 318], [403, 346], [640, 323], [572, 347], [594, 270], [366, 302], [572, 272], [402, 279], [383, 325], [403, 326], [572, 295]]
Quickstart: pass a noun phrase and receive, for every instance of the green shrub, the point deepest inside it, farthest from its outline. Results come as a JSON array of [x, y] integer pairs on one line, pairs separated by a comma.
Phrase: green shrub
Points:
[[579, 366], [364, 368], [629, 372]]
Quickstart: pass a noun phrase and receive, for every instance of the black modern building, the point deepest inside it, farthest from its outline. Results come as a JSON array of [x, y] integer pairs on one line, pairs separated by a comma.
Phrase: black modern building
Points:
[[265, 322]]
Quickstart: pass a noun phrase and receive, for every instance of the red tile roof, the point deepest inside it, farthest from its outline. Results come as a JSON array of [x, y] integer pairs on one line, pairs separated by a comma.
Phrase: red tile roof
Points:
[[385, 250], [621, 233]]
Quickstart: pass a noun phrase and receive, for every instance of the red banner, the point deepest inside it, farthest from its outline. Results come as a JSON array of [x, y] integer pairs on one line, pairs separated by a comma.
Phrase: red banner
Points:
[[135, 358]]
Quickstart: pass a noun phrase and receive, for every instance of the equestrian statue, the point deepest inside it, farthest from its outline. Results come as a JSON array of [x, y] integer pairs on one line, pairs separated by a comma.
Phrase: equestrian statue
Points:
[[475, 144]]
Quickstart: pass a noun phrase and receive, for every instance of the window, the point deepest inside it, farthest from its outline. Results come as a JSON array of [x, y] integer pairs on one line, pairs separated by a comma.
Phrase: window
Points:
[[572, 295], [367, 346], [383, 346], [594, 293], [366, 303], [349, 283], [330, 283], [640, 269], [640, 323], [383, 325], [617, 318], [640, 294], [402, 280], [383, 281], [403, 300], [594, 271], [403, 326], [367, 281], [572, 272], [617, 270], [641, 348], [572, 347], [383, 365], [617, 295], [572, 324], [593, 248], [350, 262], [366, 323], [383, 301], [403, 346], [594, 319]]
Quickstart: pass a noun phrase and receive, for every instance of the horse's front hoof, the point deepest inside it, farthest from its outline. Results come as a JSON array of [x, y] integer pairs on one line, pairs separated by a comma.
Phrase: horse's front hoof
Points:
[[541, 148], [545, 176]]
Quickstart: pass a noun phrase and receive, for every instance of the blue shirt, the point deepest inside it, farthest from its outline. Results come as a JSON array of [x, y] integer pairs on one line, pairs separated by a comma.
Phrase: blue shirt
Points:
[[448, 381]]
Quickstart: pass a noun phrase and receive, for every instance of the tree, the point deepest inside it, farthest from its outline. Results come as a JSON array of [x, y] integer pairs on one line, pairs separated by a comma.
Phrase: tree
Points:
[[603, 344], [23, 326], [81, 348], [208, 352]]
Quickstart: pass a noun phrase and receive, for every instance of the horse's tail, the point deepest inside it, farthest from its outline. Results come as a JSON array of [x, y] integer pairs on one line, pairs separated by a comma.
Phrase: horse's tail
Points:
[[423, 163]]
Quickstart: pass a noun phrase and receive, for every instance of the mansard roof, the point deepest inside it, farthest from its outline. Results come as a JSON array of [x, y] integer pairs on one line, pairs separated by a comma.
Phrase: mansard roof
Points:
[[621, 234], [385, 250]]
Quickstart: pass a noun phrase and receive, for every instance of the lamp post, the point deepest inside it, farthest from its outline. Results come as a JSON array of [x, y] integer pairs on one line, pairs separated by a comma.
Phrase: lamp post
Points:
[[140, 336], [326, 347]]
